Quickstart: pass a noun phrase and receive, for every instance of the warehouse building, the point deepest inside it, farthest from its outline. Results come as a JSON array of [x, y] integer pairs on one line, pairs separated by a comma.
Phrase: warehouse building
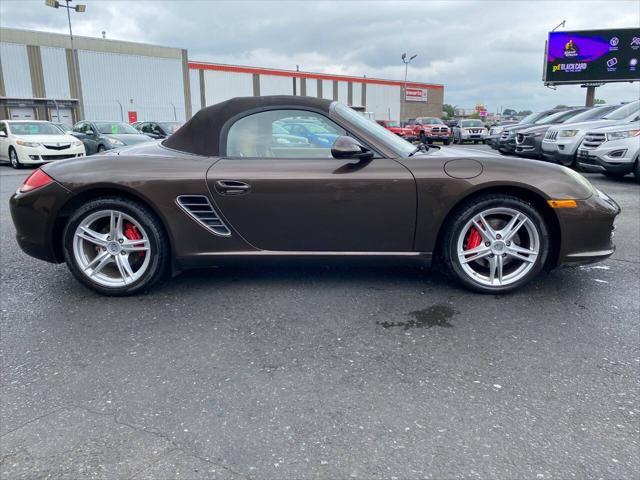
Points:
[[40, 78]]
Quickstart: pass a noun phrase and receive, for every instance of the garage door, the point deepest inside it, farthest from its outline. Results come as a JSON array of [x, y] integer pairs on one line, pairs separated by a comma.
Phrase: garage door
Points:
[[66, 116], [22, 113]]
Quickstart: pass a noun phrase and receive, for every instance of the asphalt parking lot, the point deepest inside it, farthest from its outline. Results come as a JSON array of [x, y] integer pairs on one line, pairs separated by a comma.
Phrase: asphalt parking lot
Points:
[[322, 370]]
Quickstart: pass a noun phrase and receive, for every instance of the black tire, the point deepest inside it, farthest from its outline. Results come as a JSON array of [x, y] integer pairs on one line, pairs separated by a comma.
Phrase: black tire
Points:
[[13, 159], [446, 142], [422, 137], [447, 257], [158, 248], [101, 149]]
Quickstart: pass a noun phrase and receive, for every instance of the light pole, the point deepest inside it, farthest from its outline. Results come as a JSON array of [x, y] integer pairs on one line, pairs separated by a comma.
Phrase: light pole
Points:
[[406, 69], [79, 9]]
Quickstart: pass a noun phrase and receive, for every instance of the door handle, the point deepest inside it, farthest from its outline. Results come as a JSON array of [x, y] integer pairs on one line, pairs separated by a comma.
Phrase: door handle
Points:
[[232, 187]]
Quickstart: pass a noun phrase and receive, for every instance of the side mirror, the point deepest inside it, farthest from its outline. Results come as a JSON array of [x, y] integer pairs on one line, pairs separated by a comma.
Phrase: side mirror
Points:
[[3, 134], [349, 148], [90, 133]]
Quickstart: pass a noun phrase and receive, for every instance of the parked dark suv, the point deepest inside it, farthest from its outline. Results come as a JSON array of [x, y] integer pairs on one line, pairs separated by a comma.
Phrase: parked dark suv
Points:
[[507, 140]]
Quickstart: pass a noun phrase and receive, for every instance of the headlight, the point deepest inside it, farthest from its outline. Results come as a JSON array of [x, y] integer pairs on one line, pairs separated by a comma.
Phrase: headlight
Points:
[[114, 141], [76, 144], [27, 144], [625, 134], [568, 133]]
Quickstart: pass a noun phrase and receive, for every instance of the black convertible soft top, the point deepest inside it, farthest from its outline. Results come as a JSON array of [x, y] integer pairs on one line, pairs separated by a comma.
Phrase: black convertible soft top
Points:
[[201, 134]]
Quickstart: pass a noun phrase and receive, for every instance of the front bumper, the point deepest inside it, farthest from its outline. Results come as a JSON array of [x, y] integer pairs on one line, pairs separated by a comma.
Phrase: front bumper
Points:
[[587, 230], [530, 147], [40, 155], [508, 145], [34, 215], [594, 164], [615, 156]]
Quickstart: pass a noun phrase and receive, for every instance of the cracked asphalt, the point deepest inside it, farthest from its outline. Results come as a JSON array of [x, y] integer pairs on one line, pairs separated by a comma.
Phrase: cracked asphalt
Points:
[[322, 370]]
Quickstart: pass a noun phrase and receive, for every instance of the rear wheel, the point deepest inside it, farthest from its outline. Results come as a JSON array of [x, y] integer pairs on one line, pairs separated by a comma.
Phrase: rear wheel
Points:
[[13, 158], [446, 142], [115, 246], [495, 244], [101, 149]]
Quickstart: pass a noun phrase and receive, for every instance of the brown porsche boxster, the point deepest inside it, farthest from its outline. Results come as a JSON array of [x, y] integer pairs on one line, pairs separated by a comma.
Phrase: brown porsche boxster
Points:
[[281, 175]]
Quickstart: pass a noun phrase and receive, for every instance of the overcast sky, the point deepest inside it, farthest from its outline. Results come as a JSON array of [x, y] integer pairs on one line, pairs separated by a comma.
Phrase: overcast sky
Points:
[[482, 51]]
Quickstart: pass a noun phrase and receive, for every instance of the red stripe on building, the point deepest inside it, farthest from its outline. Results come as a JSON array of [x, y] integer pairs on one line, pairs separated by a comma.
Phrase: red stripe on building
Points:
[[292, 73]]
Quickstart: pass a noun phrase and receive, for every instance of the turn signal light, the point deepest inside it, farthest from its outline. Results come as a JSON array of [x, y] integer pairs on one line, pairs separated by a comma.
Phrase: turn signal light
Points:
[[36, 180], [562, 203]]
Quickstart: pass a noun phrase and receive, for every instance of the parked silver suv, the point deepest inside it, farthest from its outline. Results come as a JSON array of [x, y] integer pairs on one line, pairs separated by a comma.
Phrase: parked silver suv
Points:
[[612, 151], [560, 143]]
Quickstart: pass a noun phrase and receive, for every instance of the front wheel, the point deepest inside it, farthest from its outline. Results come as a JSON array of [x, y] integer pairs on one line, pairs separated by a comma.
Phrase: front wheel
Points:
[[101, 149], [13, 158], [446, 142], [495, 244], [115, 246]]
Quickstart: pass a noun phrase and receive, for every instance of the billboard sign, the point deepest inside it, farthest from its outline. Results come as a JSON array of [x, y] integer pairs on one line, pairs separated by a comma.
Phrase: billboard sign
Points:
[[413, 94], [593, 56]]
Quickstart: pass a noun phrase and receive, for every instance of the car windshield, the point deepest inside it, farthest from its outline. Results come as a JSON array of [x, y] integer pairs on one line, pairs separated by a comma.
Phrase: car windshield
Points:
[[35, 128], [430, 121], [557, 117], [529, 118], [471, 123], [383, 135], [591, 114], [170, 127], [116, 128], [624, 111]]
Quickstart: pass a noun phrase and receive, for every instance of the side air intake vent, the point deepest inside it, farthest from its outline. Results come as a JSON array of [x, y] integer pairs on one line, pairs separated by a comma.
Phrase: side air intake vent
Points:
[[201, 210]]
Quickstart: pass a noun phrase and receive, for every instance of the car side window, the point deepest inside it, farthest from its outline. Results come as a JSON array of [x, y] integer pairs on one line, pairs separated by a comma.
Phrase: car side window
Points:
[[3, 127], [145, 128], [79, 127], [283, 134]]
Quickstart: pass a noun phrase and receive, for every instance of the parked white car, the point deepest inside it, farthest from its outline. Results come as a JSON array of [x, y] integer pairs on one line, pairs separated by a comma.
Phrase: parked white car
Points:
[[469, 131], [560, 143], [32, 142], [612, 151]]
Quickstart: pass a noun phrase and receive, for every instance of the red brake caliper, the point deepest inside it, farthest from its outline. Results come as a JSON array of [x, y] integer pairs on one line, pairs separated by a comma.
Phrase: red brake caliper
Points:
[[132, 233], [473, 239]]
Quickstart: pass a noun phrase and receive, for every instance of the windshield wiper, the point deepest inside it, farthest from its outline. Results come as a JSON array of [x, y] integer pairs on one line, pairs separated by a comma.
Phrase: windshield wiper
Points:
[[420, 148]]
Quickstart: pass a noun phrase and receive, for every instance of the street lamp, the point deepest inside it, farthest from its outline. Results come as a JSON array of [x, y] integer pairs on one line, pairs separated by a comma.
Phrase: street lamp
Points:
[[406, 68], [79, 9]]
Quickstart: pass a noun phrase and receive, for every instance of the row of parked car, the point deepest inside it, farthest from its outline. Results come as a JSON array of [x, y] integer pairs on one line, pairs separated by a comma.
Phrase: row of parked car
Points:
[[433, 129], [33, 142], [602, 139]]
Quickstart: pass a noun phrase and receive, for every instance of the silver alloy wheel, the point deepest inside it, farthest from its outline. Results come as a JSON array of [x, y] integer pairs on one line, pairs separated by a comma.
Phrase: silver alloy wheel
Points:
[[13, 158], [103, 252], [509, 247]]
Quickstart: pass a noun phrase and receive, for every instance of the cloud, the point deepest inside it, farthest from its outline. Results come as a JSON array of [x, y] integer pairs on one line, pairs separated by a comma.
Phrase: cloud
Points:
[[482, 51]]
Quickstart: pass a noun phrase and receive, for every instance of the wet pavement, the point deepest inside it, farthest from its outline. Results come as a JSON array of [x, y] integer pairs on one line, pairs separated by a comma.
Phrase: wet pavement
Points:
[[322, 370]]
